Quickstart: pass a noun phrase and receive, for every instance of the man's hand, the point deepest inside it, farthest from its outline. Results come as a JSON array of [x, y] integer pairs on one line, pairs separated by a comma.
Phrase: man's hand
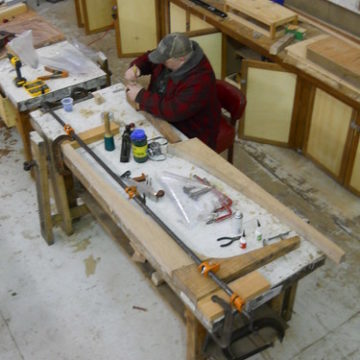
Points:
[[131, 74], [132, 90]]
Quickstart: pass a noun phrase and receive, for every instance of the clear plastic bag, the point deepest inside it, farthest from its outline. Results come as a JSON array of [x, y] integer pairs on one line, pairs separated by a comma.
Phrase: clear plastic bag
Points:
[[23, 47], [195, 201]]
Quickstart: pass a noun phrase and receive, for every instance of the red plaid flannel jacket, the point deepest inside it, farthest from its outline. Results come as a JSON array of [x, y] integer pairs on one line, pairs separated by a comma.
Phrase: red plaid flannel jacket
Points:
[[189, 103]]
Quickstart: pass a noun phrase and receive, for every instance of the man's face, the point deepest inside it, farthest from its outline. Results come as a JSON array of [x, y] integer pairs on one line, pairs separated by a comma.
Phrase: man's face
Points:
[[174, 63]]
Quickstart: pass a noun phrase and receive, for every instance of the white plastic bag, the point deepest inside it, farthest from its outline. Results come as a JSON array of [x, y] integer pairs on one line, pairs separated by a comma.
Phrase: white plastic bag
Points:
[[23, 47]]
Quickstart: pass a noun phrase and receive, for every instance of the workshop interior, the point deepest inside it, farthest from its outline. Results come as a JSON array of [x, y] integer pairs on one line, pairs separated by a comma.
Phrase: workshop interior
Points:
[[125, 236]]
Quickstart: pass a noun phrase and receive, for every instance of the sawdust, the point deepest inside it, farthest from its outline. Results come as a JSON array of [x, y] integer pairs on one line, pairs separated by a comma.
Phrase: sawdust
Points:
[[90, 265], [86, 113], [81, 246]]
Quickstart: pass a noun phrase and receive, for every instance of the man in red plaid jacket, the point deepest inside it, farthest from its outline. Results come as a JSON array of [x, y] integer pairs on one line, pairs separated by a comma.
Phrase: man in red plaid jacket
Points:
[[182, 88]]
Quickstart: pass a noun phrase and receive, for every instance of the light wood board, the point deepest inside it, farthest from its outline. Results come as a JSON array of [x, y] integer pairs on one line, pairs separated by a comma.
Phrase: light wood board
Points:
[[247, 287], [337, 56], [196, 152], [196, 286]]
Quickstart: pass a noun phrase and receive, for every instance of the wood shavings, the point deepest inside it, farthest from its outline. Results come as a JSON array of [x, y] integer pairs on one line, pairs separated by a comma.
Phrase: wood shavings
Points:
[[86, 113]]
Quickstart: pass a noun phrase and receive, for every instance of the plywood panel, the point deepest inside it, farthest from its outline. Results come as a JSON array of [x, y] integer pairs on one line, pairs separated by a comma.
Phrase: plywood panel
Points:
[[97, 15], [212, 45], [137, 25], [270, 99], [328, 131], [337, 56], [198, 24], [355, 177]]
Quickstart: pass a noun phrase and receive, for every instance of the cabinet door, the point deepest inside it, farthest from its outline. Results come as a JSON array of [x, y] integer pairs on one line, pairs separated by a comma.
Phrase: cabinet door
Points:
[[355, 175], [97, 15], [270, 93], [328, 132], [79, 13], [201, 32], [137, 27]]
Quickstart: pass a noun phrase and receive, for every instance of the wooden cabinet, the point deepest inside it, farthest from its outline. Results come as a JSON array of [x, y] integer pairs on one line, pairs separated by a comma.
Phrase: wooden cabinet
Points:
[[270, 93], [210, 40], [94, 15], [328, 132], [137, 26]]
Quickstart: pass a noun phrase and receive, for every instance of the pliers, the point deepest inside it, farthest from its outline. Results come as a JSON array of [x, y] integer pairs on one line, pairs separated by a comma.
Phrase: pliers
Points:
[[230, 238], [55, 74]]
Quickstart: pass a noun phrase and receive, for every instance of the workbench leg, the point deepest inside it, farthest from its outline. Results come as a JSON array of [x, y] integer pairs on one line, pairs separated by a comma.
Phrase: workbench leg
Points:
[[24, 127], [289, 300], [38, 149], [60, 195], [195, 337]]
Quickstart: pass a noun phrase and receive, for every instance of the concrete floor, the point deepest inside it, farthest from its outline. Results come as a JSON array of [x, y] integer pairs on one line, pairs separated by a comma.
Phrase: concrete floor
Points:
[[75, 299]]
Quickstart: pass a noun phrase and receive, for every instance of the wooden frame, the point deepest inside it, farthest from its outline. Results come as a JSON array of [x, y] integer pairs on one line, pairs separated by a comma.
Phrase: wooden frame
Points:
[[97, 15], [352, 178], [145, 32], [324, 105], [255, 131], [79, 13]]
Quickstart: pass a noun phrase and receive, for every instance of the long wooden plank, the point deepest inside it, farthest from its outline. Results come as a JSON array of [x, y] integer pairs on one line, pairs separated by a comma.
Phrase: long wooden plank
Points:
[[150, 238], [337, 56], [198, 153], [196, 286], [247, 287]]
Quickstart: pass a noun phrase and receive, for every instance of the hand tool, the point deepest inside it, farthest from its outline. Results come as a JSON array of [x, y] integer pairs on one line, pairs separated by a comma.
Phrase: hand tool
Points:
[[17, 64], [144, 189], [126, 143], [225, 203], [205, 268], [108, 136], [36, 87], [55, 74], [267, 240], [194, 192], [230, 238], [210, 8]]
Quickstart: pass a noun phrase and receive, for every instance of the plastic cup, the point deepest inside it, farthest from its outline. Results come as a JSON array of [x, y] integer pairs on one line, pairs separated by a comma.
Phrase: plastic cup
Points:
[[67, 104]]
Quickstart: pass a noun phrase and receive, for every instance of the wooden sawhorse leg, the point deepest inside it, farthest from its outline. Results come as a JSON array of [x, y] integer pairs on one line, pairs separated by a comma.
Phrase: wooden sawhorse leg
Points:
[[195, 337]]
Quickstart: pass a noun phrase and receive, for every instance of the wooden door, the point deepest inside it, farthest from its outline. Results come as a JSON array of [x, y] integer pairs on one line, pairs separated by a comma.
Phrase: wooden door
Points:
[[137, 28], [98, 15], [210, 40], [353, 174], [270, 92], [328, 133], [79, 13]]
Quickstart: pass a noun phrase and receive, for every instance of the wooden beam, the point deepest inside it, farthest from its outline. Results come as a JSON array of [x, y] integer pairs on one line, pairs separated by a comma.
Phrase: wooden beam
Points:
[[198, 153], [196, 286]]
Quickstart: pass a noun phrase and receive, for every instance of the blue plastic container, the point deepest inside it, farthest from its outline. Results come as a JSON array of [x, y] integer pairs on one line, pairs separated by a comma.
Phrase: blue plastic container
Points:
[[67, 104]]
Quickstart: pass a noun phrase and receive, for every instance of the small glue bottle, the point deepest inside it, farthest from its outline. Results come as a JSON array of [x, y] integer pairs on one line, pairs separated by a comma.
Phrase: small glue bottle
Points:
[[243, 241], [258, 231], [237, 223]]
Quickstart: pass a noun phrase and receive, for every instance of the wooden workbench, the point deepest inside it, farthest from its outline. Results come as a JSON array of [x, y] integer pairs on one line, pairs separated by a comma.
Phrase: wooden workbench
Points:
[[147, 238], [86, 75]]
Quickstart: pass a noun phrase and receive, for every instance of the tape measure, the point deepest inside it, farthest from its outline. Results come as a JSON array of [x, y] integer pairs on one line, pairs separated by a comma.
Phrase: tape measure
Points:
[[36, 87]]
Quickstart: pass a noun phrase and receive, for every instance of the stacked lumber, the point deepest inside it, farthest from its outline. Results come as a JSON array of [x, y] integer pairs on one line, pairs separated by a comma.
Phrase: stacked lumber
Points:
[[264, 16]]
